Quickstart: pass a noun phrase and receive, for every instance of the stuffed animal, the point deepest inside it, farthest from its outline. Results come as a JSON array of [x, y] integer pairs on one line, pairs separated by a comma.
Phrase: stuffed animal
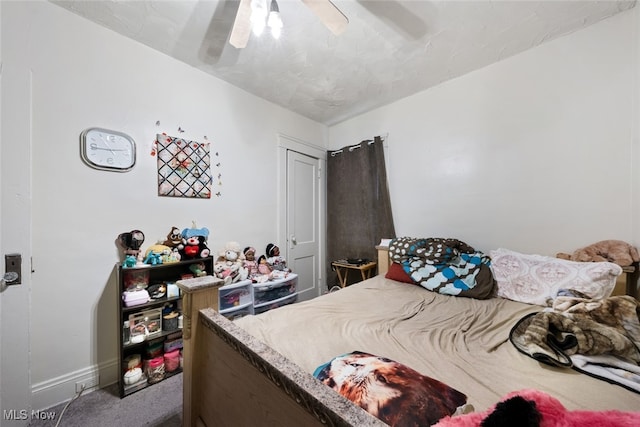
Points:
[[198, 269], [129, 261], [229, 265], [153, 259], [218, 268], [195, 247], [194, 241], [227, 271], [616, 251], [166, 254], [533, 408], [174, 239]]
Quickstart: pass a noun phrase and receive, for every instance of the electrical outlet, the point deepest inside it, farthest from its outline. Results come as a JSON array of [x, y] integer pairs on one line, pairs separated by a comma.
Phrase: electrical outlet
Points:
[[88, 383]]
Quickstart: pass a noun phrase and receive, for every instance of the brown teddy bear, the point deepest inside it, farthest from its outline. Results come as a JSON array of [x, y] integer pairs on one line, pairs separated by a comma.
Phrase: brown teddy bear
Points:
[[615, 251]]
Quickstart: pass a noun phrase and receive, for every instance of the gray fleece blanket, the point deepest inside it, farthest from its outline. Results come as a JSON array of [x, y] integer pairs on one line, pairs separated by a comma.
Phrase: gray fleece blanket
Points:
[[600, 338]]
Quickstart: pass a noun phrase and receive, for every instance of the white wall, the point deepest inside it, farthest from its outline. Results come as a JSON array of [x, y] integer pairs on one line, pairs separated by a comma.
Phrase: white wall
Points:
[[533, 153], [82, 75], [635, 37]]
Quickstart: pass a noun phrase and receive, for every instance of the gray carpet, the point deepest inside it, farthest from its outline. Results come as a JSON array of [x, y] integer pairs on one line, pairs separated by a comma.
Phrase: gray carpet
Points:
[[159, 405]]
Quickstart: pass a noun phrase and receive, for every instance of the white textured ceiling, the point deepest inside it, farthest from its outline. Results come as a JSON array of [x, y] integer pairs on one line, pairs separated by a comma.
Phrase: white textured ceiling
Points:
[[390, 50]]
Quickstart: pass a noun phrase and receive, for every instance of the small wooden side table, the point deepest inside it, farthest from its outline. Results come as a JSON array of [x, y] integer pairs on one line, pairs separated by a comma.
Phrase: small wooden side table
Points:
[[342, 269], [633, 274]]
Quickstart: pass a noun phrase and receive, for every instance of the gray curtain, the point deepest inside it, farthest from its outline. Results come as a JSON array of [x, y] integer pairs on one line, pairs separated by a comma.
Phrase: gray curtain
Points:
[[358, 204]]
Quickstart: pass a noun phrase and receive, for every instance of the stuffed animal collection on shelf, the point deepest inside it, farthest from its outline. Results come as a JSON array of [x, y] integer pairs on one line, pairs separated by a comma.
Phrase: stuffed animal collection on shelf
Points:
[[190, 243], [232, 264]]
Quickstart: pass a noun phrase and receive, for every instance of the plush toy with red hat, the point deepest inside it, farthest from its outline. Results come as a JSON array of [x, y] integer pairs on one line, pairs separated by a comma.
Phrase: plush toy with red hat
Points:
[[194, 243]]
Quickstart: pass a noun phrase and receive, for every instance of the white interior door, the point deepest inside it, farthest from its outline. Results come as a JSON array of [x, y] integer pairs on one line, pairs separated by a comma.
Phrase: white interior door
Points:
[[303, 222]]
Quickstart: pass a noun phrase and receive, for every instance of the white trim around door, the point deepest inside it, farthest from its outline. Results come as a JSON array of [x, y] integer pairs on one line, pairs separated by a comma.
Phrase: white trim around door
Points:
[[287, 143]]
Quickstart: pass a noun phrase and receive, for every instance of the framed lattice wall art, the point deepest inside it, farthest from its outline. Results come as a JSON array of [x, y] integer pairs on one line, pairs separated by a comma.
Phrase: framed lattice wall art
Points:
[[183, 168]]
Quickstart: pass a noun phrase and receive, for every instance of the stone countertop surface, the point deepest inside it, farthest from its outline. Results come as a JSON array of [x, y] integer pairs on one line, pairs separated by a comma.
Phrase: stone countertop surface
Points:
[[199, 283]]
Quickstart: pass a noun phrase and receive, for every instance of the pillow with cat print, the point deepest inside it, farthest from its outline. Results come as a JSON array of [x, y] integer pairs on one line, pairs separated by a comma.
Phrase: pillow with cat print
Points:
[[390, 391]]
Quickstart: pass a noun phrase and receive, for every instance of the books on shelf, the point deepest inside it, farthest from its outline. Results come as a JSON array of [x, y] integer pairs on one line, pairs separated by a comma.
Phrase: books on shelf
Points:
[[385, 242]]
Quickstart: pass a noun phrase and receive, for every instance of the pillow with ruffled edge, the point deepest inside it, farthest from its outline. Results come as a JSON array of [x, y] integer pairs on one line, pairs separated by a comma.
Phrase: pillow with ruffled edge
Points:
[[391, 391], [537, 279], [396, 272]]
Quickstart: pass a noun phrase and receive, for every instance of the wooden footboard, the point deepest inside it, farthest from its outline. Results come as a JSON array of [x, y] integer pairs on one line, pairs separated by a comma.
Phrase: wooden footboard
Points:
[[233, 379]]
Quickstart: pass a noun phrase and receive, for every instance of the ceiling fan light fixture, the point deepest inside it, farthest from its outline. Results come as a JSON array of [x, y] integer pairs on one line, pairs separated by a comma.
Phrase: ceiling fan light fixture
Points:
[[258, 16], [274, 7], [276, 32], [275, 21], [255, 15]]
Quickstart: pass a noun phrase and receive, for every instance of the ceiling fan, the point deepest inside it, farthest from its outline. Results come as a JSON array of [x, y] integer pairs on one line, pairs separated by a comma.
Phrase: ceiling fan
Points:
[[326, 11]]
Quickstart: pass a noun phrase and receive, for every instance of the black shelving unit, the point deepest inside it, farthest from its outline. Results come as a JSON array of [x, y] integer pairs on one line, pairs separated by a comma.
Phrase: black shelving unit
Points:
[[157, 274]]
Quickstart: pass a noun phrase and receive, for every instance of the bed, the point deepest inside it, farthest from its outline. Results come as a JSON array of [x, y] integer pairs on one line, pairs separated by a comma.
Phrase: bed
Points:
[[258, 369]]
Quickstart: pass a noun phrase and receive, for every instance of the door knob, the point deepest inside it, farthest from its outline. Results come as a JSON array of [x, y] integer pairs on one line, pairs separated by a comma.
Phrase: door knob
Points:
[[10, 277]]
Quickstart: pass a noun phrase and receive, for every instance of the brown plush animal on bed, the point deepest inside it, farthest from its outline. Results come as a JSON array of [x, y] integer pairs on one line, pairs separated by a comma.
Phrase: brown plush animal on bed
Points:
[[616, 251], [391, 391]]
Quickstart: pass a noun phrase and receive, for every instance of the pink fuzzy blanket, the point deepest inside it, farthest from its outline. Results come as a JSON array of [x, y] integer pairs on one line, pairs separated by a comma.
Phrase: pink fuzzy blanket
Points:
[[551, 414]]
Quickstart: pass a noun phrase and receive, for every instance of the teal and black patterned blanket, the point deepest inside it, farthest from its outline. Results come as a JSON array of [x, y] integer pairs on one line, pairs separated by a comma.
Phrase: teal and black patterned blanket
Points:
[[446, 266]]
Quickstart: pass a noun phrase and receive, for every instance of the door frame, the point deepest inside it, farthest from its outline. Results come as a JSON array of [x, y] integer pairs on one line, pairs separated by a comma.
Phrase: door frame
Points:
[[288, 143], [16, 132]]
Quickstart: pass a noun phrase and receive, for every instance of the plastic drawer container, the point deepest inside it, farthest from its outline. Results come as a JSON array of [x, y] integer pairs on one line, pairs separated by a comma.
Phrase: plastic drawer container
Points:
[[235, 295], [275, 304], [236, 314], [274, 290]]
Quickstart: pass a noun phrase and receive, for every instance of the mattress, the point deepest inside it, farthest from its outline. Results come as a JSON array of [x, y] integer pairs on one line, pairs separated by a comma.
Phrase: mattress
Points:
[[462, 342]]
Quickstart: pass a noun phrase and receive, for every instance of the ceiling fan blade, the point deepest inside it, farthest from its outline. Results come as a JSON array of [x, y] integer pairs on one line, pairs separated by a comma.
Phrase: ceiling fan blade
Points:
[[241, 26], [329, 14]]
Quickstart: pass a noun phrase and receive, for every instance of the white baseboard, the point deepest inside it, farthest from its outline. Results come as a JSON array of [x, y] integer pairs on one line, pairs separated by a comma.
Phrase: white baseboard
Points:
[[63, 388]]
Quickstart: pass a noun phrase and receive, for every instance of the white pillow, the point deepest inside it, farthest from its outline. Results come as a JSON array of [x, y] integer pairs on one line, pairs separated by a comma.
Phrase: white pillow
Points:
[[536, 279]]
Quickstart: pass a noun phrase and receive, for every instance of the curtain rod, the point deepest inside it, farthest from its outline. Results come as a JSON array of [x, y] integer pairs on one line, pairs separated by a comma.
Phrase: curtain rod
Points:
[[356, 146]]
